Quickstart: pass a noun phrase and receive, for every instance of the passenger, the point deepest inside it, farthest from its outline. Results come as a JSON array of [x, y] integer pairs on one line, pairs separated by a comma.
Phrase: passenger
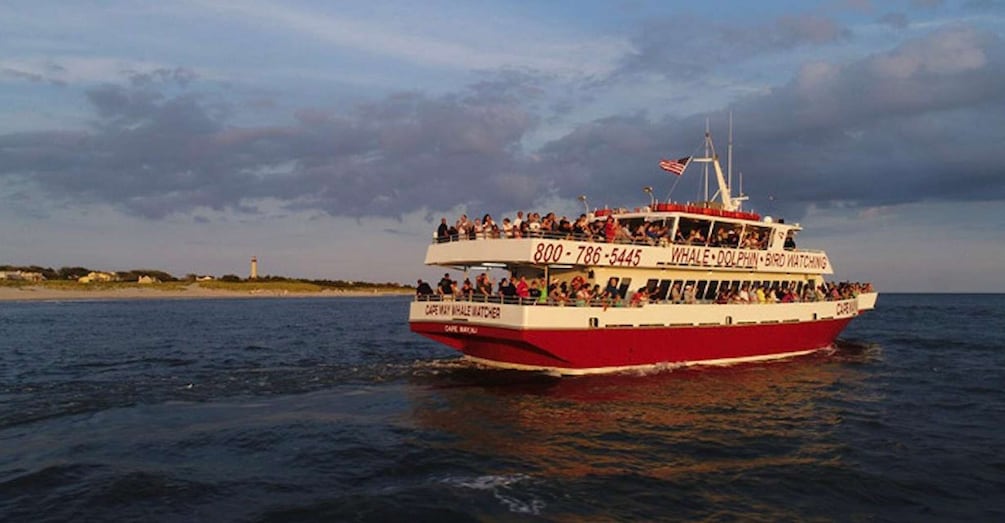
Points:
[[476, 232], [743, 296], [534, 225], [580, 229], [446, 286], [454, 233], [759, 294], [781, 291], [507, 290], [679, 238], [486, 285], [639, 298], [653, 233], [611, 291], [689, 296], [640, 236], [610, 228], [556, 294], [507, 228], [422, 289], [467, 290], [675, 294], [522, 289], [487, 223], [623, 235], [535, 290], [443, 231]]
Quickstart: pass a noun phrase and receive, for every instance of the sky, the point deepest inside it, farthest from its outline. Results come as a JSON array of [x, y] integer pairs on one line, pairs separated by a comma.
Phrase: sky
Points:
[[328, 138]]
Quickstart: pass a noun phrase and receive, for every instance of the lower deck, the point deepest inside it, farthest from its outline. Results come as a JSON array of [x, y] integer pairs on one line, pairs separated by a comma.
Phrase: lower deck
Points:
[[582, 340]]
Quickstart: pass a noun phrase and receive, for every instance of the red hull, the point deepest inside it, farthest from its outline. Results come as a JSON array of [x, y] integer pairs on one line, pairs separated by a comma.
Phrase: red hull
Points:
[[587, 350]]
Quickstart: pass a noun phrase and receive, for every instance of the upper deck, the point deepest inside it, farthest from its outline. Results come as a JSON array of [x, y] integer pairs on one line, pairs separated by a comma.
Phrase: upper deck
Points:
[[702, 243]]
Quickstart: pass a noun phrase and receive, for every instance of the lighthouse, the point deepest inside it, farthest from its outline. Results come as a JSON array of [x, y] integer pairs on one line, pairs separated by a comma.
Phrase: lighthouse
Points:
[[254, 268]]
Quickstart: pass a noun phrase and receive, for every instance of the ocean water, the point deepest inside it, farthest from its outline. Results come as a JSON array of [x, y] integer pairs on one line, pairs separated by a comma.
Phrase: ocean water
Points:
[[331, 410]]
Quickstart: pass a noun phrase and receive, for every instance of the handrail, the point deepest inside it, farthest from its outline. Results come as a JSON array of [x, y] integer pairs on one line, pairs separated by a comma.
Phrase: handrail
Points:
[[662, 242], [537, 302]]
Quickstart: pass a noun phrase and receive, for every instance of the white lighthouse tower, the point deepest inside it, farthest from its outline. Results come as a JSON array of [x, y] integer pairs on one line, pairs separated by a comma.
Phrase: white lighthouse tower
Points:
[[254, 268]]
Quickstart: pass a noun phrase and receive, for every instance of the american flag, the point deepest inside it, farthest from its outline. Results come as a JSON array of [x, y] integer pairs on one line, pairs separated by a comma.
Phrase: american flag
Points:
[[675, 166]]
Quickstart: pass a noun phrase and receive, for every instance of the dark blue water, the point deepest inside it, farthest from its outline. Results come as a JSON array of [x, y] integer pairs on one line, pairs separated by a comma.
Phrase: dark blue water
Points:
[[331, 410]]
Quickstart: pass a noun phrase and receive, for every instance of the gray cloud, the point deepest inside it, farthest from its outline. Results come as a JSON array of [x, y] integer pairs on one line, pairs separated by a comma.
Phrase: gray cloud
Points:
[[918, 122], [895, 20], [681, 46], [31, 77], [153, 155]]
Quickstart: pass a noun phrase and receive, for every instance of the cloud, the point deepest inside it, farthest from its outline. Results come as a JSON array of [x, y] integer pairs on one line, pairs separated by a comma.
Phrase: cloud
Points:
[[30, 76], [154, 154], [682, 46], [466, 39], [917, 122], [895, 20]]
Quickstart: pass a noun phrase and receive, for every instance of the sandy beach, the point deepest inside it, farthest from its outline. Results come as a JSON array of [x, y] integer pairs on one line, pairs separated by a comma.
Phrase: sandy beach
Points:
[[193, 291]]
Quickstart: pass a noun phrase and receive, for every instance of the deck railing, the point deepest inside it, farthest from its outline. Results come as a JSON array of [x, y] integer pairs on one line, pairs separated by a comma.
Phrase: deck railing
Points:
[[650, 242], [606, 302]]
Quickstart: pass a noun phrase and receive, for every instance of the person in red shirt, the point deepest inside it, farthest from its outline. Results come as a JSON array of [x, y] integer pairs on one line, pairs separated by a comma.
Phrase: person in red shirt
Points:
[[522, 289]]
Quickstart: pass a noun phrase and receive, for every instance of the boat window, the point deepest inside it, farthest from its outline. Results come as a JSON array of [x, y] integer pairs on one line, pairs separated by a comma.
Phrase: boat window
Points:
[[790, 241], [688, 283], [799, 288], [710, 292], [766, 285], [735, 287], [663, 290], [692, 231], [623, 289], [700, 289], [725, 234], [651, 285], [755, 237]]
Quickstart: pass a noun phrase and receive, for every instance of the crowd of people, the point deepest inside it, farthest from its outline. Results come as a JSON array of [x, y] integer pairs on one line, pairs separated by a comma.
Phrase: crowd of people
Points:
[[577, 291], [691, 231]]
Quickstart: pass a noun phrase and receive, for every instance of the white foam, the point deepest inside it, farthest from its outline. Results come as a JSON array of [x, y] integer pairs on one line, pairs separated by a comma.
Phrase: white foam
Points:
[[500, 485]]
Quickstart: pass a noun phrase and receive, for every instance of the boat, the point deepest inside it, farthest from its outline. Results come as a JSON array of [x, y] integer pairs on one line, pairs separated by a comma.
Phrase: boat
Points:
[[715, 285]]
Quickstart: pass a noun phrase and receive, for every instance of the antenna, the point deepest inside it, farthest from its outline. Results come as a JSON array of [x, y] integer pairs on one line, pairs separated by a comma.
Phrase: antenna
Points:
[[729, 157]]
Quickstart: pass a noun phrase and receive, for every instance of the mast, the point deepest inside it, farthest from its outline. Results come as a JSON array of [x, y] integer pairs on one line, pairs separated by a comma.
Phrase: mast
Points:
[[708, 142], [728, 202], [729, 156]]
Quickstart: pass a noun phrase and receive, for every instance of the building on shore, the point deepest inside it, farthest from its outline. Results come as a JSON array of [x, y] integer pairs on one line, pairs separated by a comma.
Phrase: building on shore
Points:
[[93, 277], [254, 268], [21, 276]]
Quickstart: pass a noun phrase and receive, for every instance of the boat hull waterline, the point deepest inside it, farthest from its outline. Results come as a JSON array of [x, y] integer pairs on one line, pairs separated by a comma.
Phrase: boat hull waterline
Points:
[[619, 348]]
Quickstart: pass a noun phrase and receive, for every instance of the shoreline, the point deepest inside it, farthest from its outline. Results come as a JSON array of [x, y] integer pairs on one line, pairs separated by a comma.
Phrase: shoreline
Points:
[[194, 291]]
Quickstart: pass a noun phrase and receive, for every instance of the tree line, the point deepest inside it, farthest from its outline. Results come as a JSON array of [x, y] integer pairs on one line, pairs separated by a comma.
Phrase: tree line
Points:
[[75, 273]]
